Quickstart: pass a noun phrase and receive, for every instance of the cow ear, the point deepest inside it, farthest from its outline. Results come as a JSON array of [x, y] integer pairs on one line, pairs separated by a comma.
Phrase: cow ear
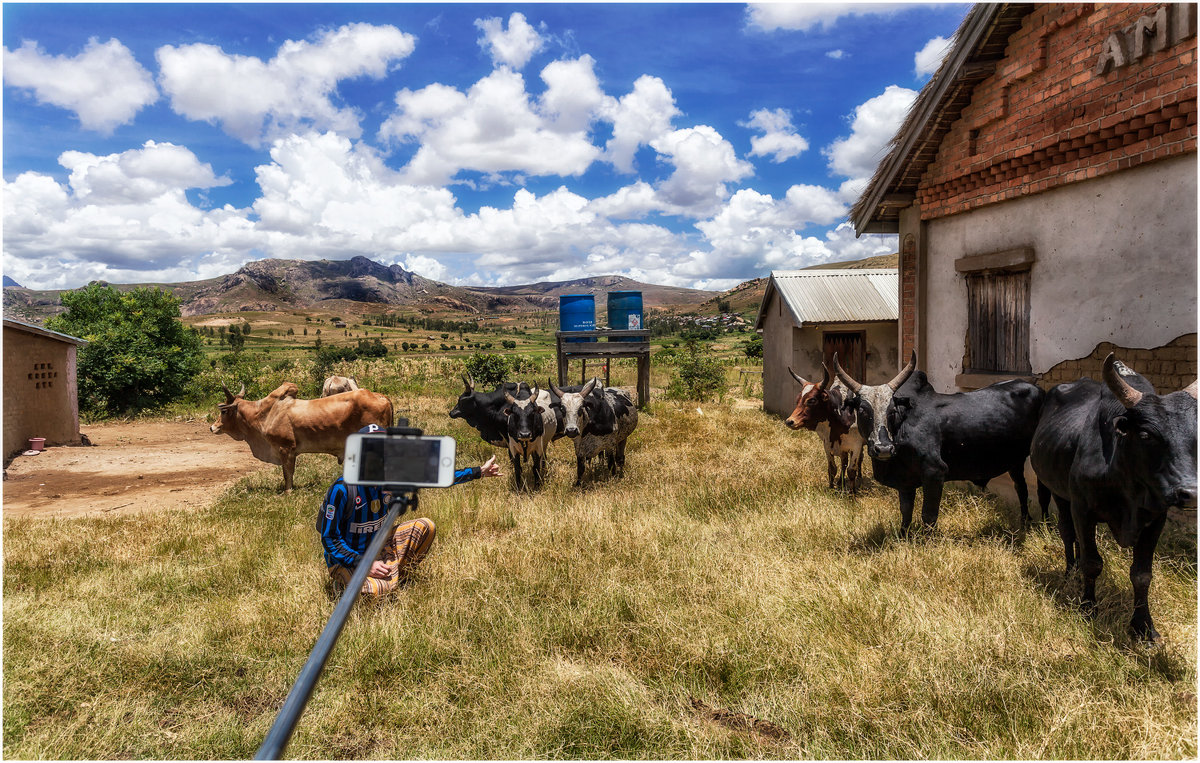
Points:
[[1121, 425]]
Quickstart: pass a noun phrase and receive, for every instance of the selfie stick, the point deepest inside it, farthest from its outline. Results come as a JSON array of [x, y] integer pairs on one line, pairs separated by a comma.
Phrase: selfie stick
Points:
[[293, 706]]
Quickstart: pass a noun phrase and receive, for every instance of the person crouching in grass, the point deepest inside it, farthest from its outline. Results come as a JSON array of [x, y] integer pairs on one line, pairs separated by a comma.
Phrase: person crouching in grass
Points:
[[353, 513]]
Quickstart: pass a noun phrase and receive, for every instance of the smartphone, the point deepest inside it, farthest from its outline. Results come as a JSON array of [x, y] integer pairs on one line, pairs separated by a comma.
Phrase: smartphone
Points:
[[383, 459]]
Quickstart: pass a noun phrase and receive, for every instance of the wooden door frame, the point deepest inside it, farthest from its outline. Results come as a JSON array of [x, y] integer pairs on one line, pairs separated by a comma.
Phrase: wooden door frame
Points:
[[862, 358]]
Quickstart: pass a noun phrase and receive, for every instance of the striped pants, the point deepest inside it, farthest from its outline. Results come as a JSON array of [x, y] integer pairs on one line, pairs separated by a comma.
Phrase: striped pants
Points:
[[408, 545]]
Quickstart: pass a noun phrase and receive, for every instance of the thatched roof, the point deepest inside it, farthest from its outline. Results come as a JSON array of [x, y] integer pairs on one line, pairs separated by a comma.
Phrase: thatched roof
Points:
[[978, 47]]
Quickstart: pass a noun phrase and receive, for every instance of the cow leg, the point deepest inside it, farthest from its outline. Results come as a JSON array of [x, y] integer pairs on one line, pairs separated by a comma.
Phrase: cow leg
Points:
[[845, 465], [1043, 496], [1018, 477], [931, 501], [831, 467], [538, 463], [579, 467], [289, 468], [515, 460], [1066, 531], [908, 498], [853, 472], [621, 458], [1090, 563], [1142, 625]]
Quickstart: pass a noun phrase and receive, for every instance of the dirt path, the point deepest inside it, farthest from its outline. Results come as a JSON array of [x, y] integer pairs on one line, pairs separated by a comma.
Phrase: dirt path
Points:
[[132, 467]]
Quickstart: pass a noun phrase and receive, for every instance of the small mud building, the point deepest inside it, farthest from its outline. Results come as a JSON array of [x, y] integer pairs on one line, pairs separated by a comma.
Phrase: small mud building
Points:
[[40, 392], [1043, 188], [808, 315]]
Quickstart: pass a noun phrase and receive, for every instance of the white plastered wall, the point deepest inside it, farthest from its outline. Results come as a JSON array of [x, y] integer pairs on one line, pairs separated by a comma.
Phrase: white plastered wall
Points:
[[1116, 261]]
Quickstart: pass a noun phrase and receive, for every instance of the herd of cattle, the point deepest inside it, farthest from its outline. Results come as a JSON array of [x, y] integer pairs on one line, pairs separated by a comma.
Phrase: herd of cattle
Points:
[[597, 419], [1114, 452]]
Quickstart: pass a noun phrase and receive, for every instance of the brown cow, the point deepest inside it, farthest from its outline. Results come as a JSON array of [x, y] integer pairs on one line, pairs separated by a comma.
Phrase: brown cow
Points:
[[338, 384], [281, 425], [821, 407]]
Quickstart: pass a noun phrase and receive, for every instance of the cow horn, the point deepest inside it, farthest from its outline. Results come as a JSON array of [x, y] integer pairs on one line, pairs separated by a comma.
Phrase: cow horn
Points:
[[587, 388], [825, 381], [242, 391], [1128, 396], [904, 372], [468, 386], [799, 379], [511, 400], [228, 394], [1191, 389], [535, 392], [845, 377], [557, 392]]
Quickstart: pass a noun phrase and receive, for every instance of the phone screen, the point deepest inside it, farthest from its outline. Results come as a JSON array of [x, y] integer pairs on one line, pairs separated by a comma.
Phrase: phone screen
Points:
[[400, 460]]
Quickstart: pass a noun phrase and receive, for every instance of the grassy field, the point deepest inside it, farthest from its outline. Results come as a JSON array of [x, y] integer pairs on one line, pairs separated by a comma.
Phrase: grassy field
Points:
[[718, 602]]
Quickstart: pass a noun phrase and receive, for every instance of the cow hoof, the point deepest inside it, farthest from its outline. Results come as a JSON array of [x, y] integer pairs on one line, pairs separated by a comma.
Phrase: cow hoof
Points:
[[1143, 634]]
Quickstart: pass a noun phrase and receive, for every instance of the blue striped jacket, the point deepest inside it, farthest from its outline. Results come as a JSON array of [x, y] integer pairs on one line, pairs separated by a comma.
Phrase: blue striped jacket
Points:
[[346, 530]]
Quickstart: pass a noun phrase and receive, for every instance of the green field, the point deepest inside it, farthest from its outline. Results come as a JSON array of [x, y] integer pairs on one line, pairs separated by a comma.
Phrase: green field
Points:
[[717, 602]]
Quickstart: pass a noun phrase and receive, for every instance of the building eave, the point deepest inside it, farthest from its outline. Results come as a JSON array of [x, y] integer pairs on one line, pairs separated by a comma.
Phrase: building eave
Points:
[[978, 47]]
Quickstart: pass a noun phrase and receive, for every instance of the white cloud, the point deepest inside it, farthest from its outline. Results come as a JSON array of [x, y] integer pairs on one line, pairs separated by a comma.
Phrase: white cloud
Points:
[[805, 17], [495, 127], [122, 217], [929, 58], [256, 101], [704, 162], [104, 85], [779, 139], [638, 118], [426, 266], [836, 55], [513, 47], [874, 125], [140, 175]]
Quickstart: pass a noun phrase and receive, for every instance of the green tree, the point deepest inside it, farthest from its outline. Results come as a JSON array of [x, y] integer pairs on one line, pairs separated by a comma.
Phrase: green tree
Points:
[[139, 354], [487, 370], [237, 341], [699, 375], [754, 346]]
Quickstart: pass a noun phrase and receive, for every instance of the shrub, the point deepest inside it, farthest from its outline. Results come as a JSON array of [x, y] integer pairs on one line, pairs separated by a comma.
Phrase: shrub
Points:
[[139, 354], [754, 346], [523, 364], [699, 376], [487, 369]]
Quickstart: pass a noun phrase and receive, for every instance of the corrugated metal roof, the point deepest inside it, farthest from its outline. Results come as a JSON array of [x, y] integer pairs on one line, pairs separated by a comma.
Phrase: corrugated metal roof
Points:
[[42, 331], [836, 296]]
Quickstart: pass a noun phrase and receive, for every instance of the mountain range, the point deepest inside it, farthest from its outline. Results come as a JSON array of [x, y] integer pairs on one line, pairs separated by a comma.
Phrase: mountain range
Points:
[[358, 285]]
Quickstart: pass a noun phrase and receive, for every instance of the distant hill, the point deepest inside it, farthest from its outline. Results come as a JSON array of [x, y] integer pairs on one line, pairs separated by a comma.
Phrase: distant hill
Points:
[[354, 286], [746, 297], [9, 282]]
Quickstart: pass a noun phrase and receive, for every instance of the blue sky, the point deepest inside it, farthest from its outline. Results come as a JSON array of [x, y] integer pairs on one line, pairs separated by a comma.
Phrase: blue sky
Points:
[[693, 145]]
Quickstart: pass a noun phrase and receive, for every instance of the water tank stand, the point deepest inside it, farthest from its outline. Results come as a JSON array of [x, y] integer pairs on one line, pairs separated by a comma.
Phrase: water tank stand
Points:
[[633, 344]]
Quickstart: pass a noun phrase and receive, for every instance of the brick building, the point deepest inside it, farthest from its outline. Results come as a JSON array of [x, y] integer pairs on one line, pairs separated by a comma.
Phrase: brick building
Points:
[[1044, 191], [41, 397]]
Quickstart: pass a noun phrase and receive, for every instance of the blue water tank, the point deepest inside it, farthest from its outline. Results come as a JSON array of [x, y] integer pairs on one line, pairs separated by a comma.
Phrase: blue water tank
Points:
[[625, 312], [577, 312]]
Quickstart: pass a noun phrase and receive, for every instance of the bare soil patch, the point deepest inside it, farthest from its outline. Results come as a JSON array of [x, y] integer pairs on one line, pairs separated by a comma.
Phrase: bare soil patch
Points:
[[130, 467]]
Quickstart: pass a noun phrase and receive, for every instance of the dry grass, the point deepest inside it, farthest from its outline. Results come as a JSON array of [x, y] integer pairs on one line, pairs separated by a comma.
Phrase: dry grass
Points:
[[629, 619]]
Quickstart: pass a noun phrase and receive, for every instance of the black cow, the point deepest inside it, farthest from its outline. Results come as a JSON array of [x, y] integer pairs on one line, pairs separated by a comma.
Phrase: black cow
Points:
[[917, 437], [1117, 453], [530, 431], [485, 410]]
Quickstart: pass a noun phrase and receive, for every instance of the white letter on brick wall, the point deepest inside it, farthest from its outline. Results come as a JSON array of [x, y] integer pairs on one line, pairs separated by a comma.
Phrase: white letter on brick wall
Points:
[[1111, 54]]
